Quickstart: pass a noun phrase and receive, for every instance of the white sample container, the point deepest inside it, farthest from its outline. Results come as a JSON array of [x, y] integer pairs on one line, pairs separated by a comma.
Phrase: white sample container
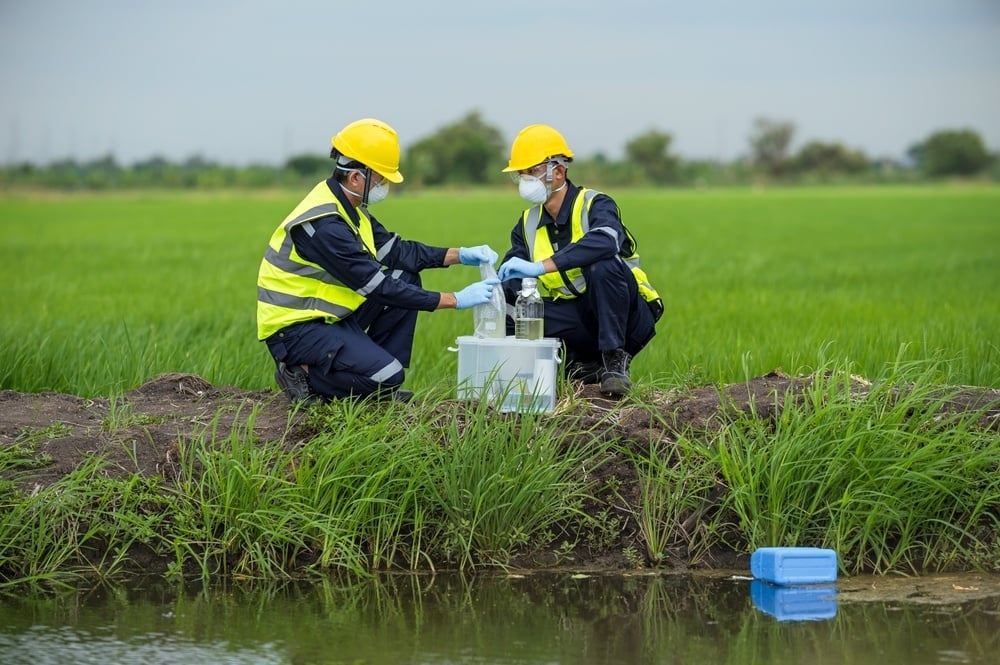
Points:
[[515, 375]]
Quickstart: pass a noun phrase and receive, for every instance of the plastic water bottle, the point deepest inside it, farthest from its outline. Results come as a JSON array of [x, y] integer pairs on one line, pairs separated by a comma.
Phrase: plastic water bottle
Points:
[[490, 318], [529, 314]]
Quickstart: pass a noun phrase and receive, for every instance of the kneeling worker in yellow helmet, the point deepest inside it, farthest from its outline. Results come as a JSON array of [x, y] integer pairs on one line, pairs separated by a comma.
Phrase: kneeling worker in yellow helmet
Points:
[[598, 300], [337, 293]]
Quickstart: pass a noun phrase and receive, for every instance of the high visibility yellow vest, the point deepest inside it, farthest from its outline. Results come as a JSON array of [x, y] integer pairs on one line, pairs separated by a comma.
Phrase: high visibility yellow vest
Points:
[[571, 283], [291, 289]]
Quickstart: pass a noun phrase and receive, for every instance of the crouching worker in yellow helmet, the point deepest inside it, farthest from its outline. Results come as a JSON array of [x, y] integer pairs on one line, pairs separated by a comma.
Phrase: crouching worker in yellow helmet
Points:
[[598, 300], [337, 293]]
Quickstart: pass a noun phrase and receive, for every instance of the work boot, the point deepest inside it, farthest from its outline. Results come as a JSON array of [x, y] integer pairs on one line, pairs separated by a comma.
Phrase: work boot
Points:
[[402, 395], [391, 395], [615, 380], [295, 382], [585, 371], [382, 395]]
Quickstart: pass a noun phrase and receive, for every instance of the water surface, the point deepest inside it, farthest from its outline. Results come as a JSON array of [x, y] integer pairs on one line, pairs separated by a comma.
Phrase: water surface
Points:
[[535, 619]]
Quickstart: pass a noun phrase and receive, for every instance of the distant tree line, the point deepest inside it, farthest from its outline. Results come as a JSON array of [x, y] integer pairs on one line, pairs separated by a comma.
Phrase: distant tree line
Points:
[[471, 152]]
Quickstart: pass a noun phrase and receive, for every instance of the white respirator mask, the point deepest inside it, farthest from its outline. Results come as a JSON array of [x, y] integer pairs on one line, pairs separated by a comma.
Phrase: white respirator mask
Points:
[[532, 189], [378, 193]]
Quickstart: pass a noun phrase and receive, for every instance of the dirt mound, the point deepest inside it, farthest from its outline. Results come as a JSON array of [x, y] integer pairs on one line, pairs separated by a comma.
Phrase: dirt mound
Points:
[[137, 432], [140, 432]]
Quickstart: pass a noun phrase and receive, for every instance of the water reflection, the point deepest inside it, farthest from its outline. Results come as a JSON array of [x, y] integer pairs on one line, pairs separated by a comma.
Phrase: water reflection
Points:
[[536, 619], [795, 603]]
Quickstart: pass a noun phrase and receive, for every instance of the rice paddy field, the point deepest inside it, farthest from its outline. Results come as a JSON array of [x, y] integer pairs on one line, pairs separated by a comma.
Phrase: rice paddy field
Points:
[[101, 292], [104, 294]]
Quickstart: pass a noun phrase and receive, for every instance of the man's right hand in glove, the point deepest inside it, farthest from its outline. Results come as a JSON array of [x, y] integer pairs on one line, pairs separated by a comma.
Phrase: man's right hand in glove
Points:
[[477, 293], [516, 268]]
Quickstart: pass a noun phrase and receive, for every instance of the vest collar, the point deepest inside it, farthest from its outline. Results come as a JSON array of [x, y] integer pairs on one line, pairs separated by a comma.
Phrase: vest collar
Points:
[[338, 191], [562, 219]]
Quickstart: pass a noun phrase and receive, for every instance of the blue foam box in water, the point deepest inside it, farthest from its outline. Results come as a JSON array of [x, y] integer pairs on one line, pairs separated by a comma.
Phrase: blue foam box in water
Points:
[[794, 565]]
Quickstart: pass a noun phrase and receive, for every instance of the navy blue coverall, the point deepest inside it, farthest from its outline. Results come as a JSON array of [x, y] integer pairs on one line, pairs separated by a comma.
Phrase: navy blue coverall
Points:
[[610, 314], [369, 349]]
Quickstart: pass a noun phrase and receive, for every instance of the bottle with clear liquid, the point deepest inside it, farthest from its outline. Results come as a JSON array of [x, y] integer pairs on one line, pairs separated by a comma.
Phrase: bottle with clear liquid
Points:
[[529, 314], [490, 318]]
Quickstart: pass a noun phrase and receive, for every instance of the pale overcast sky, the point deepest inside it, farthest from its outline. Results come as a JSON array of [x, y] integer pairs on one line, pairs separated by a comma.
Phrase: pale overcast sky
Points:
[[242, 81]]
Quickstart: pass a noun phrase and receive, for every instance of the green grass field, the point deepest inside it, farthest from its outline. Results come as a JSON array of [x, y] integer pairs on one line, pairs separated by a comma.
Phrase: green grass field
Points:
[[102, 292]]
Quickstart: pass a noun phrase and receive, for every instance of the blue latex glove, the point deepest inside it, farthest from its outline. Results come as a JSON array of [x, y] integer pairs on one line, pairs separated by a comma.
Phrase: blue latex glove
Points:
[[477, 293], [473, 256], [516, 268]]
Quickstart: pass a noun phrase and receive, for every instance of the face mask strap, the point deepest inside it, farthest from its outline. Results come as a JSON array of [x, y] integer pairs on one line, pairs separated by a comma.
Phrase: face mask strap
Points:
[[367, 174]]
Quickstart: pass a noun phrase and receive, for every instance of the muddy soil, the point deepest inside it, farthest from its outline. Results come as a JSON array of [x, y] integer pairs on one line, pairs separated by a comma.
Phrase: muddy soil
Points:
[[176, 407]]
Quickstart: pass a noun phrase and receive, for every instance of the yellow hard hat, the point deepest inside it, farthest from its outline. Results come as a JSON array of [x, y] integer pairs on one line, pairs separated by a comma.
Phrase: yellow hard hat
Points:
[[374, 144], [533, 145]]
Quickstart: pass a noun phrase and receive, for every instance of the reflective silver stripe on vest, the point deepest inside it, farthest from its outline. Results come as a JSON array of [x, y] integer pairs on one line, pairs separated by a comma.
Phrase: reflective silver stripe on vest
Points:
[[531, 230], [314, 213], [387, 247], [296, 268], [387, 372], [372, 284], [281, 259], [588, 196], [608, 230], [297, 302], [585, 216]]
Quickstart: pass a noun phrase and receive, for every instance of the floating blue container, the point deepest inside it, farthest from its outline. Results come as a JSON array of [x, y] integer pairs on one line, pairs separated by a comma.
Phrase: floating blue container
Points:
[[794, 565], [811, 602]]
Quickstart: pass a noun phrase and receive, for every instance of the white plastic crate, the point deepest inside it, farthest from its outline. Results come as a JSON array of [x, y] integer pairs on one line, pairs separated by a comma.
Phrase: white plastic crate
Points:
[[516, 375]]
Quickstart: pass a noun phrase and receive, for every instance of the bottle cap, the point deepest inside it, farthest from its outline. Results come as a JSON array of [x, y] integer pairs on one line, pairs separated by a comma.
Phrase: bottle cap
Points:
[[528, 283]]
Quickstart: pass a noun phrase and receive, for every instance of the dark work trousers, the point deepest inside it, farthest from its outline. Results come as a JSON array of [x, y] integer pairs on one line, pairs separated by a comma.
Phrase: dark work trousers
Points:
[[358, 355], [610, 314]]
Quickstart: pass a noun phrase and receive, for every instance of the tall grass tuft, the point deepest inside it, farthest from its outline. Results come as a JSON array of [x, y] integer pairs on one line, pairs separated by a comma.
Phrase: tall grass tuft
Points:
[[503, 482], [242, 512], [676, 482], [378, 486], [363, 475], [87, 525], [884, 474]]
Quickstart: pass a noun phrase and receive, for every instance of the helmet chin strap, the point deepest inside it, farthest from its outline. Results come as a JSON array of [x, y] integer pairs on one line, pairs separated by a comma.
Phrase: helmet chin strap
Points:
[[367, 175], [367, 188]]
